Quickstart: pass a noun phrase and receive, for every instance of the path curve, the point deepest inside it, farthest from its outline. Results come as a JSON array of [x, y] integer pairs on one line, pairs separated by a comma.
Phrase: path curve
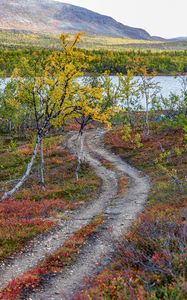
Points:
[[44, 245], [119, 212]]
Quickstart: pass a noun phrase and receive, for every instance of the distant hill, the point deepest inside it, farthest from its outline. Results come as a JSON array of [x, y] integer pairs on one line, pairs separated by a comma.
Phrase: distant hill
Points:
[[47, 16], [179, 39]]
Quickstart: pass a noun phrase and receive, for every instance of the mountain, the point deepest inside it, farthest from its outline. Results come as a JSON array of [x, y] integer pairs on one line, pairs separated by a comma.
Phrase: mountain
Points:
[[179, 39], [48, 16]]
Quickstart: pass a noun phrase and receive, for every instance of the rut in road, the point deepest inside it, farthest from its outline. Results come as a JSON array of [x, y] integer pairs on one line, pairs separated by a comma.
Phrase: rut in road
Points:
[[119, 213]]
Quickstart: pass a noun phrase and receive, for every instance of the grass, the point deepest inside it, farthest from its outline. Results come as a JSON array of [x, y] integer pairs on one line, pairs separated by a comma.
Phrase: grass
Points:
[[32, 211], [150, 261], [29, 40]]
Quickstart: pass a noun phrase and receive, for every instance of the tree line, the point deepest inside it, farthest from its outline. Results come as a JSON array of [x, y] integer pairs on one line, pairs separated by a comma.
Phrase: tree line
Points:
[[163, 62]]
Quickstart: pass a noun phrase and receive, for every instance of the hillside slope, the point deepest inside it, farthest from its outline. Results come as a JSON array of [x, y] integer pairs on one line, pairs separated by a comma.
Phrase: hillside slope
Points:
[[48, 16]]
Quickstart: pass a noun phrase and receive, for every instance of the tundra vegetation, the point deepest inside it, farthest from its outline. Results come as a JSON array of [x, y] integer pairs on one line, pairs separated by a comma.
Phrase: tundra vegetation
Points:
[[40, 103], [150, 261], [18, 39]]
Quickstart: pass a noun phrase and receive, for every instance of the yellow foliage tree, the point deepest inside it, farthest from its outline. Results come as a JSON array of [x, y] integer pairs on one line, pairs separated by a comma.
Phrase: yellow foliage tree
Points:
[[50, 87]]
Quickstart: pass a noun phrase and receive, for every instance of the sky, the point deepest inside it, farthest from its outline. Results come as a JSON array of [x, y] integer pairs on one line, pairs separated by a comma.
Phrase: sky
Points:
[[166, 18]]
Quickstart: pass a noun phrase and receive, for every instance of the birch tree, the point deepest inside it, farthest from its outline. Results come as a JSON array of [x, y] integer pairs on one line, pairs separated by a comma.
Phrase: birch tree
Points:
[[130, 96], [150, 91], [90, 106], [47, 86]]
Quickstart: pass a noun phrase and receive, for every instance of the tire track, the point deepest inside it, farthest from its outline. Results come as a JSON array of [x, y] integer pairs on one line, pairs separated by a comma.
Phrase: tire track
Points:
[[44, 245], [119, 212]]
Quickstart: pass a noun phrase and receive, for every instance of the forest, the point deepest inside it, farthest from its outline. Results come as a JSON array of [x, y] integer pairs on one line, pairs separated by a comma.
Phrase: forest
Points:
[[92, 185], [162, 62]]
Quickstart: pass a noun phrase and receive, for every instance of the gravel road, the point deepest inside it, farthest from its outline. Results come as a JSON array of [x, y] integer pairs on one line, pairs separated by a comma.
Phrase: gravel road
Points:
[[119, 211]]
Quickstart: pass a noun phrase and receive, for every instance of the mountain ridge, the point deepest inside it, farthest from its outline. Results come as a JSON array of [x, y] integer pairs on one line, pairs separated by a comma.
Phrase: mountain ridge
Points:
[[48, 16]]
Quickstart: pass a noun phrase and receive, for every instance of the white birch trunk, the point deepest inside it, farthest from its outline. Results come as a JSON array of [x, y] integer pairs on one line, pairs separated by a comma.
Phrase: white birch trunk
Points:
[[80, 143], [24, 177], [42, 181], [147, 116]]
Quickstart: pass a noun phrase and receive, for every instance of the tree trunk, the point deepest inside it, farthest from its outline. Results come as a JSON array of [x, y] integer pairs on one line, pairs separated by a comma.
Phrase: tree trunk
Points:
[[79, 154], [25, 176], [10, 126], [41, 167], [147, 118], [147, 124]]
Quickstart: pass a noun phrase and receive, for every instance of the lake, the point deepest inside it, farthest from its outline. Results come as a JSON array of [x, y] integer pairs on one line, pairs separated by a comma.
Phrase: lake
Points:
[[168, 84]]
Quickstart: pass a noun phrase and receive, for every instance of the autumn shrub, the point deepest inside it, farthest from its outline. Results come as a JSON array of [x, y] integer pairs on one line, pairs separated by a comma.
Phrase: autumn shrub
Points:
[[150, 261], [52, 265], [32, 211], [157, 244], [22, 220]]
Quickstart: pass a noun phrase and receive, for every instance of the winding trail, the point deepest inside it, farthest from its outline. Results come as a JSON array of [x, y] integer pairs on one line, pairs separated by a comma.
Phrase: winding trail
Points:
[[118, 212]]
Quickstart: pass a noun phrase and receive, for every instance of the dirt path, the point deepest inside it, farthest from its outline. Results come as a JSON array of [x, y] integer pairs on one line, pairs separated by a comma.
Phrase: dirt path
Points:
[[118, 211]]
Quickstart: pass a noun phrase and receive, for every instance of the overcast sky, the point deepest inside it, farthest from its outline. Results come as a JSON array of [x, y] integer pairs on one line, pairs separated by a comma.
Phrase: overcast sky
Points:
[[166, 18]]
